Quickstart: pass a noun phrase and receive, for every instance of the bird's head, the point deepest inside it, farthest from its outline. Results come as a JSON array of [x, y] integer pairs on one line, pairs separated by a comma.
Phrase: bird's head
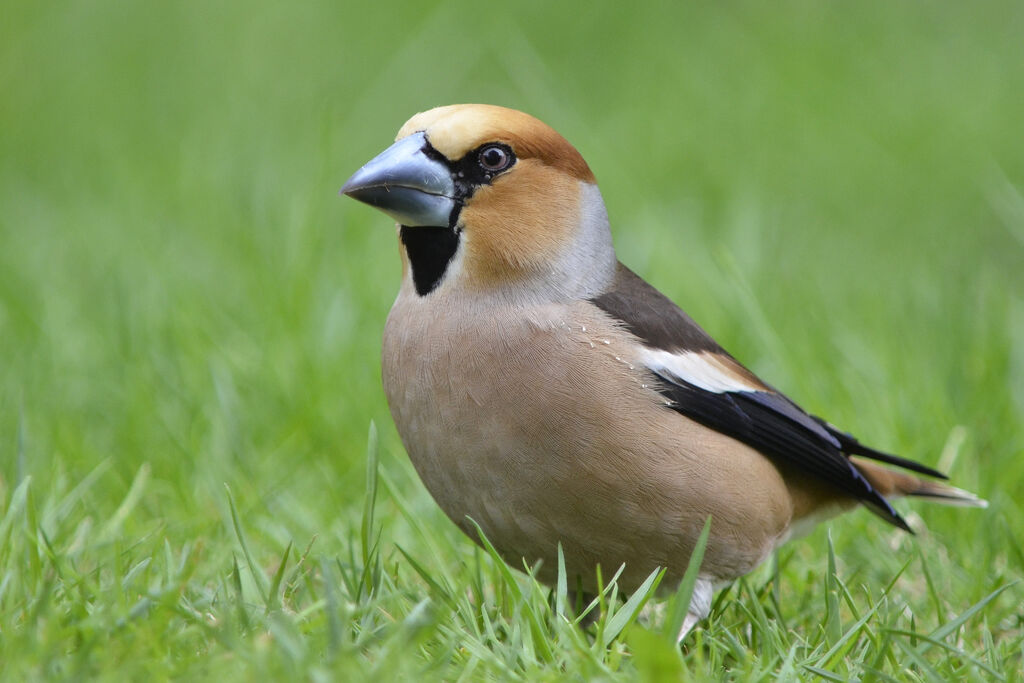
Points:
[[490, 200]]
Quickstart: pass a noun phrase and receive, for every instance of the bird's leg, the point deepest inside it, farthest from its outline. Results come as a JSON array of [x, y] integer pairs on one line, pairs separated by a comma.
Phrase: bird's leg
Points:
[[700, 606], [654, 613]]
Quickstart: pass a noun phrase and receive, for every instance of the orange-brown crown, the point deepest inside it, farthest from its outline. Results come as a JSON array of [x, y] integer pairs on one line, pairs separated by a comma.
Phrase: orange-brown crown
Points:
[[456, 129]]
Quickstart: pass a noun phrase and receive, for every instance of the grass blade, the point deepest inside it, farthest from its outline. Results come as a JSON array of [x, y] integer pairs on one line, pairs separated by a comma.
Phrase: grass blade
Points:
[[628, 613], [944, 630], [539, 637], [258, 576], [561, 584], [679, 606], [273, 602], [371, 559]]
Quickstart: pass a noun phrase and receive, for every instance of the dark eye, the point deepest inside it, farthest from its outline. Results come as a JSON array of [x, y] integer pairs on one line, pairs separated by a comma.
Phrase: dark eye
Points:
[[494, 158]]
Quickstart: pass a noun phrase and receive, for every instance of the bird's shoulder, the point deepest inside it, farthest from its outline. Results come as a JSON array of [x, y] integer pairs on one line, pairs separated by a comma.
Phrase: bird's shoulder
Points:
[[651, 315]]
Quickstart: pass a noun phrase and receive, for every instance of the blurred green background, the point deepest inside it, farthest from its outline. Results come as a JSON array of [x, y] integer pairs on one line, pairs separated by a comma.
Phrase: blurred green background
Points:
[[835, 191]]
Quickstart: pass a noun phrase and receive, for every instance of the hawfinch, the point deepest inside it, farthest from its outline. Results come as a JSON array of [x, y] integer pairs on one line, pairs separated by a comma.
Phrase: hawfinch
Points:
[[547, 393]]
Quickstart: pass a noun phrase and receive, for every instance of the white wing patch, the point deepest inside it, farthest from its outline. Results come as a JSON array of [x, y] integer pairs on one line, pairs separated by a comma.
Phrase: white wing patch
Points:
[[706, 371]]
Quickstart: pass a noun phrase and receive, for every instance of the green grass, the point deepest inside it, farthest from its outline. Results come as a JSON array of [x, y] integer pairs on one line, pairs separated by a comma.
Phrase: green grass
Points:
[[190, 325]]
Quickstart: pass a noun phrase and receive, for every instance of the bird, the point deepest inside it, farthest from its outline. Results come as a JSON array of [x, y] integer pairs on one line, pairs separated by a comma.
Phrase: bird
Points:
[[550, 398]]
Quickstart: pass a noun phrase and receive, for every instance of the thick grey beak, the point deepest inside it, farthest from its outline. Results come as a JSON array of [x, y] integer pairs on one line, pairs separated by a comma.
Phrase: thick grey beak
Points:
[[406, 184]]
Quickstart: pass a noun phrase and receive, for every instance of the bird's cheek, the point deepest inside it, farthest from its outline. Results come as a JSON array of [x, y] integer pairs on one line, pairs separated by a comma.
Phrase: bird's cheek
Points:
[[520, 223]]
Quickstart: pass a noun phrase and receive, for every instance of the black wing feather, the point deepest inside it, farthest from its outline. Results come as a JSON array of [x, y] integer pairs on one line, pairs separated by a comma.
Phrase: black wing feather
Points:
[[775, 426], [851, 445]]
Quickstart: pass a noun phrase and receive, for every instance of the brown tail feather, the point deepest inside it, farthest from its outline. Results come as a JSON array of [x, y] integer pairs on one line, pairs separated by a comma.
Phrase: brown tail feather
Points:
[[892, 484]]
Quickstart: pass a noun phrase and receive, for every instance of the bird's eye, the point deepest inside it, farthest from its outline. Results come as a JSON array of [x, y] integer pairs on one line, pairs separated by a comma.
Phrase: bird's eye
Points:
[[494, 158]]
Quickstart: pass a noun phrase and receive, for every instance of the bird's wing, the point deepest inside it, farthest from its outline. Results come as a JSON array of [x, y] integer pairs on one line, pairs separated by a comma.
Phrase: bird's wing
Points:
[[703, 382]]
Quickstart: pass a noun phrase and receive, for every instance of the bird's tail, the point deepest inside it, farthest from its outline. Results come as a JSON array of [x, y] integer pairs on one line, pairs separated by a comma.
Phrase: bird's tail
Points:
[[892, 484]]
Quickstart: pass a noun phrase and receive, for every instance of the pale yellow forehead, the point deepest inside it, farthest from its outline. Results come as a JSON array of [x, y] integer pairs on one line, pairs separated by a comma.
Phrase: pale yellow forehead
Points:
[[457, 129]]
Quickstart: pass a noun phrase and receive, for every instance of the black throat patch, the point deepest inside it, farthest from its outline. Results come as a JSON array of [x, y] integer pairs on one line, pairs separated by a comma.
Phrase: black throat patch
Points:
[[430, 250]]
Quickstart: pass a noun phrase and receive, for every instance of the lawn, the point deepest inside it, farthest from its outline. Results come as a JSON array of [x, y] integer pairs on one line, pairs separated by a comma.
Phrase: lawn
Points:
[[199, 477]]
